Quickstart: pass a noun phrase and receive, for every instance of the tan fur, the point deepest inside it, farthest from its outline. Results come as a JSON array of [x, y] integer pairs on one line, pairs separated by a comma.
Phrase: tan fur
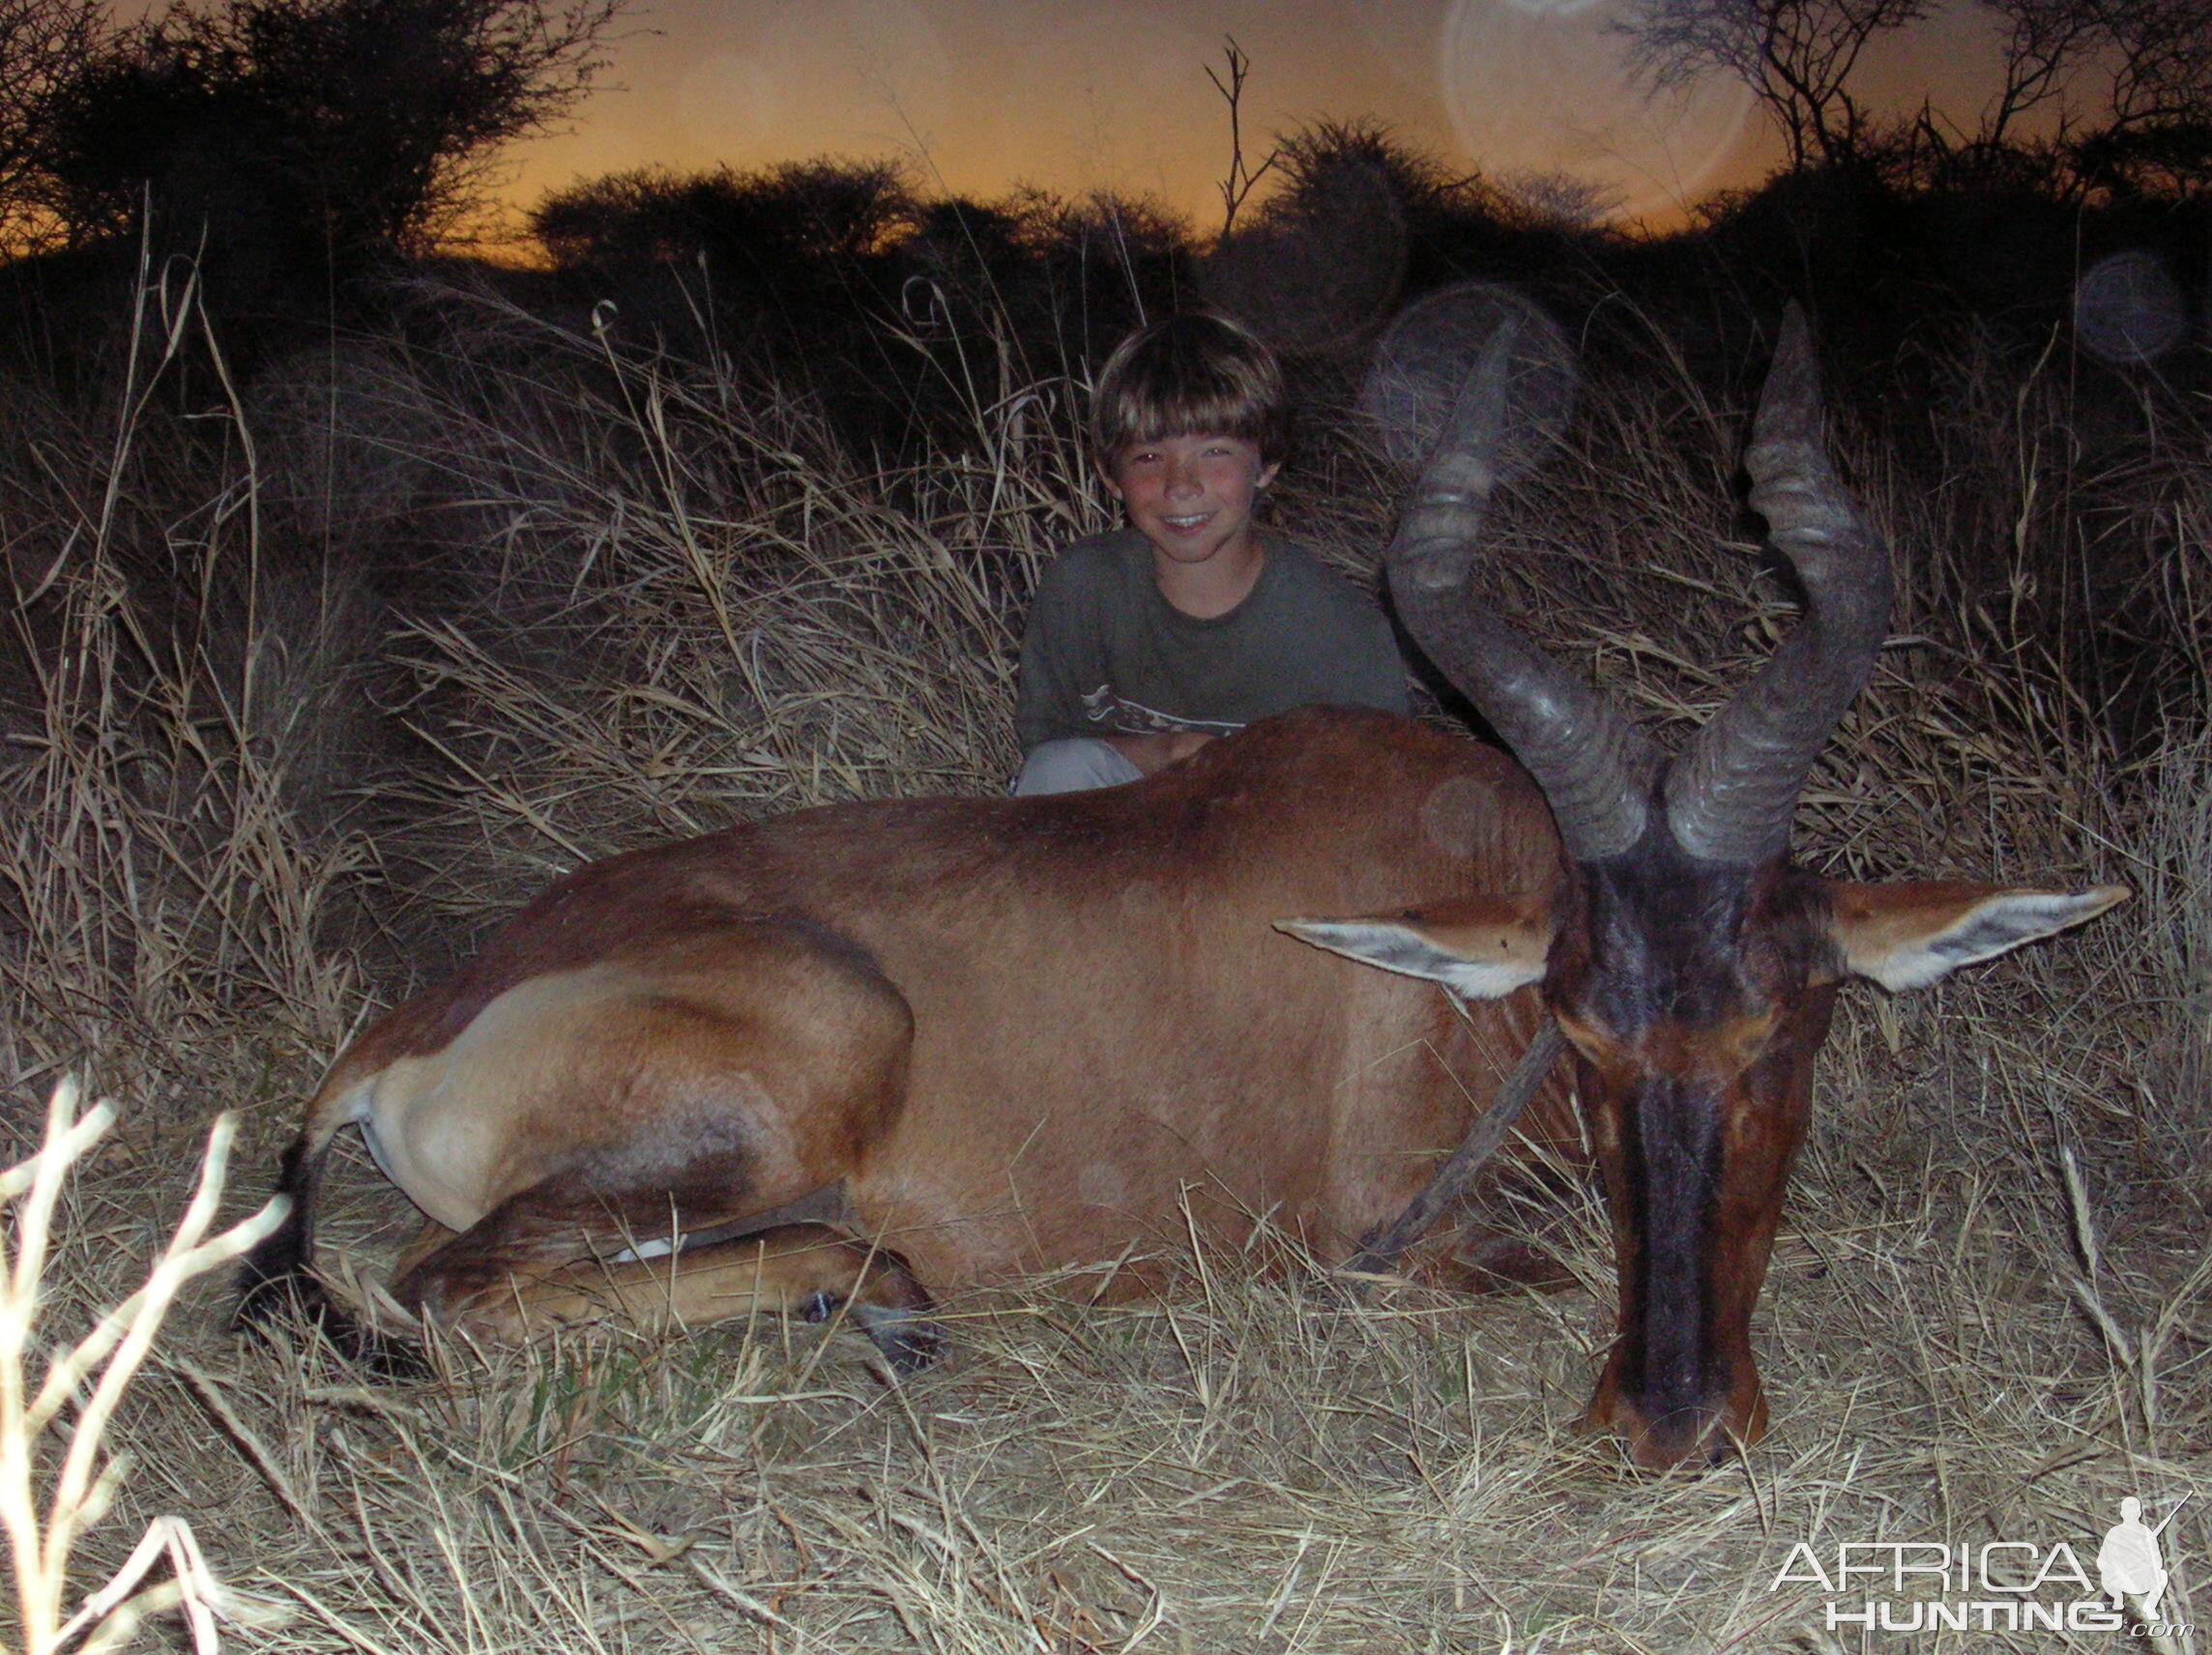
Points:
[[793, 1270], [1909, 933], [1016, 1034], [1487, 927]]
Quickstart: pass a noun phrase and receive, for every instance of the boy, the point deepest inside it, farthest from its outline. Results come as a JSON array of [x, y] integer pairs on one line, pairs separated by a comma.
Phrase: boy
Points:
[[1147, 642]]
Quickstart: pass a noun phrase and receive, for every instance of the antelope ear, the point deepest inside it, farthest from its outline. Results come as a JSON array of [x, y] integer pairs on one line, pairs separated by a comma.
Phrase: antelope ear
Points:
[[1479, 947], [1912, 934]]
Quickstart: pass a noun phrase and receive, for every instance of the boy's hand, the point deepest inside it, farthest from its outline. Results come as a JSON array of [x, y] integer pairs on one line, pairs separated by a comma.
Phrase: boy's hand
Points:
[[1149, 753]]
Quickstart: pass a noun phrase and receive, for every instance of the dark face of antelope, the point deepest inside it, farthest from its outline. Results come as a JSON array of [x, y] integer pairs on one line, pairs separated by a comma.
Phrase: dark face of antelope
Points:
[[1691, 966], [1695, 995]]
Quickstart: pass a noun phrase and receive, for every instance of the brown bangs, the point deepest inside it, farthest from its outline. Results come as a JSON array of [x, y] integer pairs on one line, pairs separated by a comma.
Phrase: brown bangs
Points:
[[1191, 375]]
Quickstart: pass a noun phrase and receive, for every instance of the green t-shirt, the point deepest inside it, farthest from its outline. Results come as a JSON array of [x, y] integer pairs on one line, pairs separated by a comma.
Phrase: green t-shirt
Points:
[[1105, 654]]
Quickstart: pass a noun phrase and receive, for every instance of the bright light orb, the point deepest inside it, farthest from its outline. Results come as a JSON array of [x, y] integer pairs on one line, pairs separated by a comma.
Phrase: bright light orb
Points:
[[1542, 87]]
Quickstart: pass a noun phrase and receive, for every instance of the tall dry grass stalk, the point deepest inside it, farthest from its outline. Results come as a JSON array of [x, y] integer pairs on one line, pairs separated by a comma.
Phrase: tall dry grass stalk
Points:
[[46, 1508], [550, 598], [155, 873]]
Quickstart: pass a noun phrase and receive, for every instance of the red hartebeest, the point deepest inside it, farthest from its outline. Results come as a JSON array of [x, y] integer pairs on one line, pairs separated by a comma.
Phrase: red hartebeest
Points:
[[859, 1050]]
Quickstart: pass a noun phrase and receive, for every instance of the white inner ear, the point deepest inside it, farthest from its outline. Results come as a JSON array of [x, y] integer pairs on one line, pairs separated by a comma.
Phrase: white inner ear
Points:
[[1395, 946], [1994, 926]]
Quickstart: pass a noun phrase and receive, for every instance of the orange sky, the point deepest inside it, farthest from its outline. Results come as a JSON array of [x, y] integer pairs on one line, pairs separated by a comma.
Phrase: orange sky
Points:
[[1075, 94], [1078, 95]]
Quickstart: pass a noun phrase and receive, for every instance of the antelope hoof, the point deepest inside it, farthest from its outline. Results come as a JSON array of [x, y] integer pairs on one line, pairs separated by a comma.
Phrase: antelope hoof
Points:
[[489, 1315], [909, 1342]]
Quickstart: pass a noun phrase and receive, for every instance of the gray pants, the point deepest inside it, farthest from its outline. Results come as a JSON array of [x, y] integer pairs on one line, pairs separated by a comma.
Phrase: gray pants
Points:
[[1072, 765]]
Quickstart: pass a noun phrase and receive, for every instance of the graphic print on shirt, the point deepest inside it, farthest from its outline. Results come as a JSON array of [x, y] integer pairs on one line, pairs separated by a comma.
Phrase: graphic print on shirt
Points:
[[1119, 716]]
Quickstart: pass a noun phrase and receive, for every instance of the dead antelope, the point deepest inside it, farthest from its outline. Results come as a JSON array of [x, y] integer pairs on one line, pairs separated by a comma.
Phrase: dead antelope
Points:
[[859, 1052]]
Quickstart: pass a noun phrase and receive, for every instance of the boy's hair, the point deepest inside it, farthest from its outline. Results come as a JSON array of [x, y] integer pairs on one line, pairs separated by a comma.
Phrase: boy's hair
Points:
[[1191, 375]]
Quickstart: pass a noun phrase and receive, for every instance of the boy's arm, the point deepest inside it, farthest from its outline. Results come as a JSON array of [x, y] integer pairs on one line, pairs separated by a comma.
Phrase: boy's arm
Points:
[[1062, 663], [1149, 753]]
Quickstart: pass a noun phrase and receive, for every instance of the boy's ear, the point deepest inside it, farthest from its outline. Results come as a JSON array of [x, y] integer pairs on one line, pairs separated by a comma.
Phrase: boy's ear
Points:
[[1106, 476], [1267, 474], [1479, 947]]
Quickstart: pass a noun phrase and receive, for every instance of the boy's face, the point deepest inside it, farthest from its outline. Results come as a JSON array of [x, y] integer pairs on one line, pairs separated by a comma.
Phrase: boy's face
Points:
[[1191, 497]]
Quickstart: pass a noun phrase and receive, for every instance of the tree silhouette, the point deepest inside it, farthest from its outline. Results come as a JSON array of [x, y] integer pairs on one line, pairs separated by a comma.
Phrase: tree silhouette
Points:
[[2123, 90], [1797, 56], [790, 214], [2158, 136], [325, 129], [42, 44], [2097, 97]]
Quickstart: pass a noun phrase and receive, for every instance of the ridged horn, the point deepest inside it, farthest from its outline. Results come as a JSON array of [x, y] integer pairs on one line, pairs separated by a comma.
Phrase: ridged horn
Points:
[[1733, 791], [1595, 766]]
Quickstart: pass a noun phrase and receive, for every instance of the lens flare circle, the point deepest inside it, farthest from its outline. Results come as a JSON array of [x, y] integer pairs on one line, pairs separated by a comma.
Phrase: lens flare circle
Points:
[[1543, 87], [1423, 360], [2129, 310]]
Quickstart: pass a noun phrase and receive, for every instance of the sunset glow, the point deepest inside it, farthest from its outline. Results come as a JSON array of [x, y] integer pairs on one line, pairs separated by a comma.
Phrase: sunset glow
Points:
[[980, 97]]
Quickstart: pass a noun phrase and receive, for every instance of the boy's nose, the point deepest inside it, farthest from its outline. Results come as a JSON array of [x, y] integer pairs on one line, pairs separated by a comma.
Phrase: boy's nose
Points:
[[1183, 480]]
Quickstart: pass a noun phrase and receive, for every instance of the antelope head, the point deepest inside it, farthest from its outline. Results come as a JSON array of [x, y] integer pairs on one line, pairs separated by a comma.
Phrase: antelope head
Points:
[[1691, 966]]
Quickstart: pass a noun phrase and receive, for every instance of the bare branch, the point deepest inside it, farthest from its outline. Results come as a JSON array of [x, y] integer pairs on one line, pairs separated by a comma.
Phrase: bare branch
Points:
[[1797, 56], [1239, 183], [42, 43]]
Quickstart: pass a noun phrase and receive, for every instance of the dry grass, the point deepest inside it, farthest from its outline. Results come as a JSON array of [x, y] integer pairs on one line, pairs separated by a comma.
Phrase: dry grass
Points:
[[57, 1480], [642, 600]]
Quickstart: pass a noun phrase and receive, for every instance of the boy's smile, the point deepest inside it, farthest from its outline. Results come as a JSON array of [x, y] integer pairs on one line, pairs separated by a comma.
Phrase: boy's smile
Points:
[[1192, 497]]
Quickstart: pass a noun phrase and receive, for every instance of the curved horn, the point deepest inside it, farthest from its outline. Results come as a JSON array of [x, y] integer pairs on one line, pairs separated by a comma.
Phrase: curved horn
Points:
[[1733, 791], [1595, 766]]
